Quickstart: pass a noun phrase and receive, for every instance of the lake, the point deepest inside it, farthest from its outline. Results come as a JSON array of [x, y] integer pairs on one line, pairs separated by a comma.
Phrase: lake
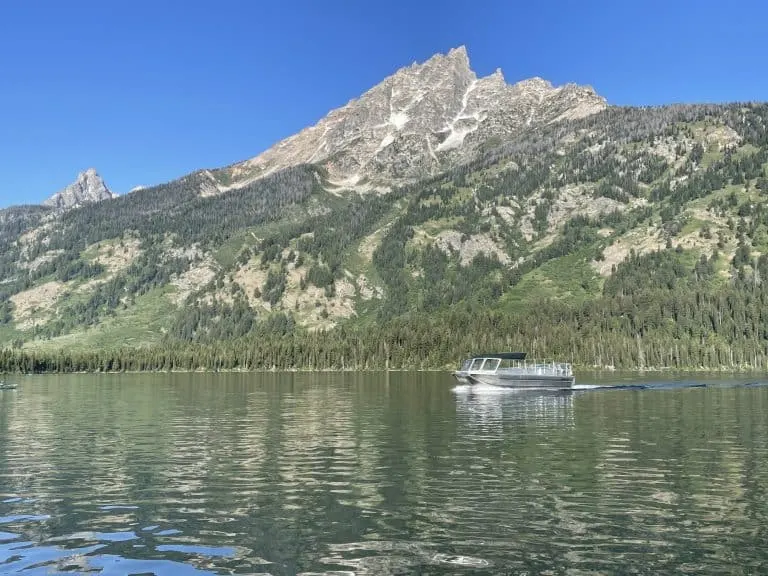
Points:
[[398, 473]]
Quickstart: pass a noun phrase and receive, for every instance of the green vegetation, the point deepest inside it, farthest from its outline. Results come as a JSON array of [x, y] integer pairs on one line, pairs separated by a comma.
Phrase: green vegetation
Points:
[[654, 311], [138, 325], [632, 238], [570, 279]]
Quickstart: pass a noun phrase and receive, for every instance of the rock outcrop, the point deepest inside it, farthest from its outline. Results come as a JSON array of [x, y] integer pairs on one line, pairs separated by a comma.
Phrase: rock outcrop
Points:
[[89, 187]]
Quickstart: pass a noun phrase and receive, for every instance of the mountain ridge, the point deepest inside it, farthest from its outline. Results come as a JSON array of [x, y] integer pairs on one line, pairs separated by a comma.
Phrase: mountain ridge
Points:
[[456, 112], [424, 110], [609, 235]]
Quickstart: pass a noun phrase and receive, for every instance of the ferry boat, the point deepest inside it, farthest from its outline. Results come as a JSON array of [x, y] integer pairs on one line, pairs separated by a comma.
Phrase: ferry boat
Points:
[[512, 370]]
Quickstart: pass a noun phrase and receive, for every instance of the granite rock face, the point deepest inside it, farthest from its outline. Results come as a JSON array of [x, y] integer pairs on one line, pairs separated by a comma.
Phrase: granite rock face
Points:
[[89, 187], [417, 122]]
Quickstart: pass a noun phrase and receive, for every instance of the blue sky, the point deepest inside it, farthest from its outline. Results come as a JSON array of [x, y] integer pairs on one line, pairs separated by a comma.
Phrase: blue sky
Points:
[[146, 91]]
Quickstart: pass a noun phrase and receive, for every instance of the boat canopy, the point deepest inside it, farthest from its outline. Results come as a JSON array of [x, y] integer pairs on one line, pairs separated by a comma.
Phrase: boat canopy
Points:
[[503, 355]]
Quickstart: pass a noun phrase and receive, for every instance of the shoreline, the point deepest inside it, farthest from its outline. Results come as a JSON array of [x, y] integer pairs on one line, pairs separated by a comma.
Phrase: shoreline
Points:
[[746, 370]]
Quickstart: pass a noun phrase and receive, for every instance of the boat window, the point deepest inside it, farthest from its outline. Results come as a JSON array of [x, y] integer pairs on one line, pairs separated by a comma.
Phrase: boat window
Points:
[[477, 363], [492, 364]]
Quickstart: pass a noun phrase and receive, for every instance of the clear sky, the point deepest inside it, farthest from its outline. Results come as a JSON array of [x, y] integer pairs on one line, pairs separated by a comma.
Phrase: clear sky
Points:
[[147, 91]]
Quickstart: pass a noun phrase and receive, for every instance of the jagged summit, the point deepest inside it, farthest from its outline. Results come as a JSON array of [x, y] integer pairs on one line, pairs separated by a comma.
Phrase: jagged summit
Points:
[[535, 83], [458, 54], [416, 122], [88, 187]]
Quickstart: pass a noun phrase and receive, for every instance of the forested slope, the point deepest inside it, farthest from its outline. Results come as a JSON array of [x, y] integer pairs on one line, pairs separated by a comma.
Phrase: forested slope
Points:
[[633, 237]]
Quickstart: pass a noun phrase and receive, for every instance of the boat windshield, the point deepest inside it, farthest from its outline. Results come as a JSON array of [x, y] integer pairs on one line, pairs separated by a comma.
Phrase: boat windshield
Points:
[[477, 364], [481, 364]]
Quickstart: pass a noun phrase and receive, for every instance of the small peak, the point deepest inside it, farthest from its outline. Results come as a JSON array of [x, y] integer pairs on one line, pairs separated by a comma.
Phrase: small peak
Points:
[[535, 83], [88, 187], [584, 88], [497, 76], [455, 56], [459, 54], [89, 173]]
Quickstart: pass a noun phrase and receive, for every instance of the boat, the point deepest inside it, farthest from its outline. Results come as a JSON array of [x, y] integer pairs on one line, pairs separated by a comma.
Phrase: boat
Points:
[[7, 386], [512, 370]]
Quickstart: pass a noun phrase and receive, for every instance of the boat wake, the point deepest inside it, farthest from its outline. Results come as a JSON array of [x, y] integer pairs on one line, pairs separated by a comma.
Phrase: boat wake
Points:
[[671, 385], [489, 389], [583, 387]]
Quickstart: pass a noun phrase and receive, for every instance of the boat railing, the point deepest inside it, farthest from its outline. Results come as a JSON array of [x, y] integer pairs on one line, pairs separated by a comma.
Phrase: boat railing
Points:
[[539, 368]]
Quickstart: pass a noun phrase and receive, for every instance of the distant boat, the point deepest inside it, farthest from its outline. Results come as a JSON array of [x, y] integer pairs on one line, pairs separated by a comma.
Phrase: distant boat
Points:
[[511, 370], [7, 385]]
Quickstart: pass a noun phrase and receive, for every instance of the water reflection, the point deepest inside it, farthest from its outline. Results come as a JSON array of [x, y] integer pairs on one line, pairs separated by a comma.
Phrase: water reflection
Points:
[[377, 474], [490, 405]]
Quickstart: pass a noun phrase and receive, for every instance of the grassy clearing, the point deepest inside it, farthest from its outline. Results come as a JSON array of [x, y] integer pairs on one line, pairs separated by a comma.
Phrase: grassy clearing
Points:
[[137, 325], [433, 227], [693, 225], [570, 278], [745, 150], [737, 189], [711, 155]]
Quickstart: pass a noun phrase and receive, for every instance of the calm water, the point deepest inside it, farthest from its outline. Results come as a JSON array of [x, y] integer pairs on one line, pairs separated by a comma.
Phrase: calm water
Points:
[[377, 474]]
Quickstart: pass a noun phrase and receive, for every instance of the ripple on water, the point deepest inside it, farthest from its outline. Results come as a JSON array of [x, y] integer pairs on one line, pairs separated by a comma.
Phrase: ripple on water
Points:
[[23, 518], [118, 507], [380, 478], [381, 557], [168, 532], [193, 549], [96, 536]]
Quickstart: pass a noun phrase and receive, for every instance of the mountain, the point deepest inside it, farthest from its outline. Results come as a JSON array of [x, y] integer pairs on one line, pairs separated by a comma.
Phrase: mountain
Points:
[[546, 220], [88, 187], [416, 123]]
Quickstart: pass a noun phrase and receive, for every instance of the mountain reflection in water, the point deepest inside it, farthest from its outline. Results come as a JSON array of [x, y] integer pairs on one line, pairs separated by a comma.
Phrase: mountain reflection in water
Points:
[[380, 474]]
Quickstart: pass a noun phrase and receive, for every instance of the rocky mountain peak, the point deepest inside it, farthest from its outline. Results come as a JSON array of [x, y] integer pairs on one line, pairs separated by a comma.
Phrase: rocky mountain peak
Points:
[[456, 57], [535, 84], [417, 122], [459, 52], [88, 187]]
